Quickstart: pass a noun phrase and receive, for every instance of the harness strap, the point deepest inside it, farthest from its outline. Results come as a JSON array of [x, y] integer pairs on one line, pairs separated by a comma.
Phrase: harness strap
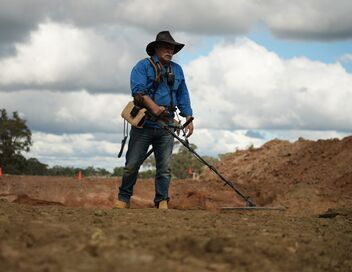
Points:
[[157, 70], [170, 79]]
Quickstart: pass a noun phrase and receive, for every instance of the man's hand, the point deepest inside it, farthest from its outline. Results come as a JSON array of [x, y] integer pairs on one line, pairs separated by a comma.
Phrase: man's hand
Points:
[[189, 128], [152, 106], [159, 111]]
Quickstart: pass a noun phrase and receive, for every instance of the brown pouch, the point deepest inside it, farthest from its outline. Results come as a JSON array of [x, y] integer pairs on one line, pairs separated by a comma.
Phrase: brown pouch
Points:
[[134, 115]]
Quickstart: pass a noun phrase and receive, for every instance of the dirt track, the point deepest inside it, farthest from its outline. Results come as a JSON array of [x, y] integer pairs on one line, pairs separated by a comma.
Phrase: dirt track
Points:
[[56, 238]]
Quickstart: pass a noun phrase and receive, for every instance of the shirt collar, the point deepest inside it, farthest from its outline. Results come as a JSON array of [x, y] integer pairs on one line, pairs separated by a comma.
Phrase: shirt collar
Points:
[[155, 58]]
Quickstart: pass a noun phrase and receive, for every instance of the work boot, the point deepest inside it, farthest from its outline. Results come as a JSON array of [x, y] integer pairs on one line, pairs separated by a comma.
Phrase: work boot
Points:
[[163, 205], [120, 205]]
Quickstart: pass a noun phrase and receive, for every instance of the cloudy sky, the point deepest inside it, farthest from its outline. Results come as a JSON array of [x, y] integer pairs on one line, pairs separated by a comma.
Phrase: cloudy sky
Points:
[[256, 70]]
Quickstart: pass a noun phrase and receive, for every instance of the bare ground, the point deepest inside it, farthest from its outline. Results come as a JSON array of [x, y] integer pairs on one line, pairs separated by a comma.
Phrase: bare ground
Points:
[[56, 238], [61, 224]]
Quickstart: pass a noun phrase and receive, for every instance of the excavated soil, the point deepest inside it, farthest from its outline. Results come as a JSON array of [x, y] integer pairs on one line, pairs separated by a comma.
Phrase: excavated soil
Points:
[[63, 224], [306, 177]]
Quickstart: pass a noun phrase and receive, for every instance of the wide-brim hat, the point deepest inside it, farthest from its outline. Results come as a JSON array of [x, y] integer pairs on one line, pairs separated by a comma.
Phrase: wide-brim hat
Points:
[[163, 36]]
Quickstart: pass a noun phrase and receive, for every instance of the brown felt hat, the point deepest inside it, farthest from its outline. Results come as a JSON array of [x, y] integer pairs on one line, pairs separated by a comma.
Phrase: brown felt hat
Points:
[[165, 37]]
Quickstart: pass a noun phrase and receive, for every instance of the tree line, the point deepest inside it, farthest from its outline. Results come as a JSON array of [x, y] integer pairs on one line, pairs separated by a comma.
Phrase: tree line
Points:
[[16, 138]]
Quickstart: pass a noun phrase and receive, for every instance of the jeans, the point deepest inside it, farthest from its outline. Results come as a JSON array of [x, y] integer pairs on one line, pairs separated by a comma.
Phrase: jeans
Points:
[[140, 139]]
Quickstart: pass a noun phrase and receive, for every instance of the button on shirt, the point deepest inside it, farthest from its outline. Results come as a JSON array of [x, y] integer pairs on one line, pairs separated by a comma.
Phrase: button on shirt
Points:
[[142, 82]]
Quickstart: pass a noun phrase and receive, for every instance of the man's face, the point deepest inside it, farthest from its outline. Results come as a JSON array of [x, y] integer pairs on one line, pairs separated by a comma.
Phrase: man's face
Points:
[[164, 51]]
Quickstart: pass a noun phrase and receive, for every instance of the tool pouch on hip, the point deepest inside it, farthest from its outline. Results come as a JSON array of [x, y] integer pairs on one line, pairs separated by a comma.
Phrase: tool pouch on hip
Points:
[[134, 115]]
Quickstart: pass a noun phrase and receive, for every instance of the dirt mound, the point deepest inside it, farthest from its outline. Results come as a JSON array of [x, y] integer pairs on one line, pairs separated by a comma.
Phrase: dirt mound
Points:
[[304, 176]]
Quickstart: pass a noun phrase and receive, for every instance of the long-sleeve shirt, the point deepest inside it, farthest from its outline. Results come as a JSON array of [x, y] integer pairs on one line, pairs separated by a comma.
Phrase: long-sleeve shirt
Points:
[[142, 82]]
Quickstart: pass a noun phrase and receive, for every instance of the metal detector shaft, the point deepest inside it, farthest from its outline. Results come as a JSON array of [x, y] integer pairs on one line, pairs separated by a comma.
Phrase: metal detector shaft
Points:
[[183, 126], [249, 202]]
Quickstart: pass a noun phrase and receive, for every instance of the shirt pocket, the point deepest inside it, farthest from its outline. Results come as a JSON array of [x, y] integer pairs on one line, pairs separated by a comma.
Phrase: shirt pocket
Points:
[[177, 83], [150, 82], [150, 76]]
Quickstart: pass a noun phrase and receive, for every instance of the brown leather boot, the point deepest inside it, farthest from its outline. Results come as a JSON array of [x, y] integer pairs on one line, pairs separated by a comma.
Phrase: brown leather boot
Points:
[[120, 205], [163, 205]]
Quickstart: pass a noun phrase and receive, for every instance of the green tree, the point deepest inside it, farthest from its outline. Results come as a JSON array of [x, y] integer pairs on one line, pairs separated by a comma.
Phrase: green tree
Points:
[[183, 160], [150, 173], [35, 167], [103, 172], [89, 171], [15, 137], [117, 172], [58, 170]]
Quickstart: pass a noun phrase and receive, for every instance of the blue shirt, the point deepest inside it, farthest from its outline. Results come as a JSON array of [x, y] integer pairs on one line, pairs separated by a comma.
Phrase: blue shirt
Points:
[[142, 79]]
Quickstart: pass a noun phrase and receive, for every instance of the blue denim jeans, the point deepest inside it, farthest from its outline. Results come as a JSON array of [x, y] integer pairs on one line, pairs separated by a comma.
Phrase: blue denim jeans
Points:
[[140, 140]]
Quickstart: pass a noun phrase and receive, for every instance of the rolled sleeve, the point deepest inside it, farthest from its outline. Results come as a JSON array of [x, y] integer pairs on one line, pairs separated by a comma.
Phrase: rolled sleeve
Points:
[[139, 79]]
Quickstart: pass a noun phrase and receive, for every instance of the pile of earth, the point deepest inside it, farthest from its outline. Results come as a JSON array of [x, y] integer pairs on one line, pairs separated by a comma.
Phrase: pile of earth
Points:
[[306, 177]]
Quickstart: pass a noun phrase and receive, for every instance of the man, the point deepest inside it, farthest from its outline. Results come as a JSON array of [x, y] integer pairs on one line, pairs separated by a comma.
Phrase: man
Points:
[[157, 84]]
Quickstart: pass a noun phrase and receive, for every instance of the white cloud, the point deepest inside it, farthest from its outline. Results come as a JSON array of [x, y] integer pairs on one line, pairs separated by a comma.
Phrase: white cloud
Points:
[[300, 19], [211, 17], [294, 135], [80, 150], [64, 57], [70, 112], [242, 85], [313, 19], [216, 141], [346, 58], [71, 144]]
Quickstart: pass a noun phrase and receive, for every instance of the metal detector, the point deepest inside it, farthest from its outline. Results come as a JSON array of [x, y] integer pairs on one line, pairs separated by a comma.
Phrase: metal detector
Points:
[[250, 205]]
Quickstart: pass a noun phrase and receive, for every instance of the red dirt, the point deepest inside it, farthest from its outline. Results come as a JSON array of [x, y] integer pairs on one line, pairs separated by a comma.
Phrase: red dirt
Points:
[[307, 177], [93, 192]]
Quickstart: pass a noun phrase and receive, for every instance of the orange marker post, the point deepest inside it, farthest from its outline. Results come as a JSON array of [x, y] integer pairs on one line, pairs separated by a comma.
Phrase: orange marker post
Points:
[[79, 176], [0, 171]]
